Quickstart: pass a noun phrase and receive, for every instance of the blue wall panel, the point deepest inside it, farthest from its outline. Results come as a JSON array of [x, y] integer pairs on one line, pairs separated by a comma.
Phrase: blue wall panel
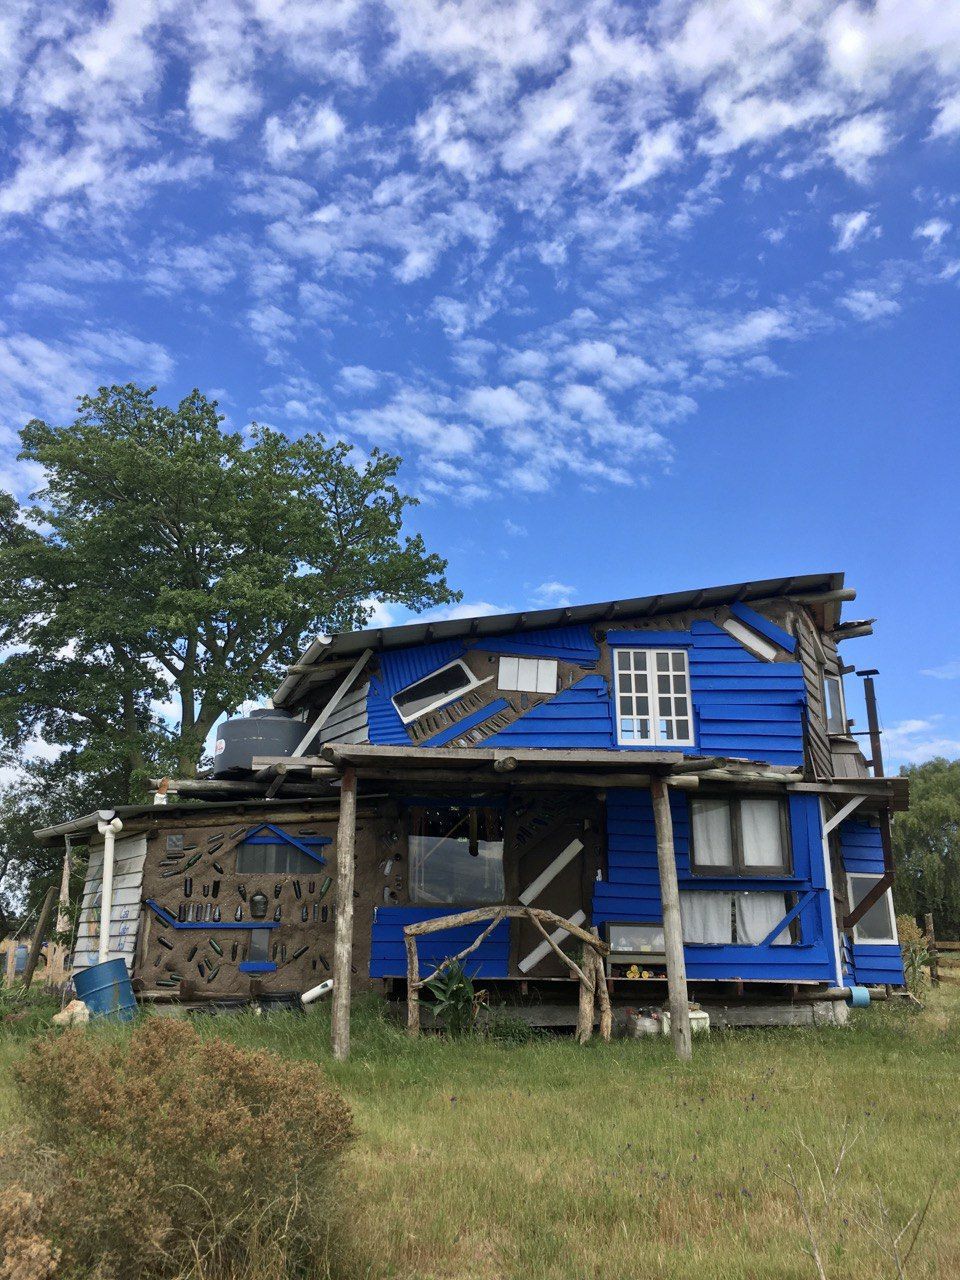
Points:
[[862, 852], [571, 644], [581, 716], [631, 891], [388, 957], [398, 668]]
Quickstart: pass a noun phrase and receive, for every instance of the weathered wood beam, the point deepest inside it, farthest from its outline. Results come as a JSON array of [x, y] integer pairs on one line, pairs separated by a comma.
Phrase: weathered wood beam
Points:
[[343, 938], [672, 925], [335, 699]]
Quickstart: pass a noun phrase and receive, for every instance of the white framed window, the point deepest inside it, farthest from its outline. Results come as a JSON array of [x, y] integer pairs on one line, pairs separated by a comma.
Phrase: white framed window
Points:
[[713, 918], [878, 925], [750, 639], [434, 690], [527, 675], [834, 703], [653, 697]]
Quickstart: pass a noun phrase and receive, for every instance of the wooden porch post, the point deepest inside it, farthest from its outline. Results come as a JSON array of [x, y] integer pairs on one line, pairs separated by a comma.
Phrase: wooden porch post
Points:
[[343, 937], [672, 927]]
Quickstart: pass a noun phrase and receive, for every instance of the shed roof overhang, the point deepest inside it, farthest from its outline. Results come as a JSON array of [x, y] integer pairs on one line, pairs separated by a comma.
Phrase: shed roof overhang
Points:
[[325, 657]]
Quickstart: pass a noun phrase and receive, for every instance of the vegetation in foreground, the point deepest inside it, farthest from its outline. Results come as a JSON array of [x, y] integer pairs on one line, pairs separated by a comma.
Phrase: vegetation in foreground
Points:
[[512, 1156]]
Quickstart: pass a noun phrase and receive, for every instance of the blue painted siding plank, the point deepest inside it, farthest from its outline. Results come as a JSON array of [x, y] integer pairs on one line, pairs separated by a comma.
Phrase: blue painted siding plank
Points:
[[648, 639], [468, 722], [764, 626]]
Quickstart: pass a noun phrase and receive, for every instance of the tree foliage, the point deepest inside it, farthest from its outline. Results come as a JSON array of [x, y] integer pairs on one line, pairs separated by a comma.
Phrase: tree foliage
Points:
[[926, 845], [168, 570]]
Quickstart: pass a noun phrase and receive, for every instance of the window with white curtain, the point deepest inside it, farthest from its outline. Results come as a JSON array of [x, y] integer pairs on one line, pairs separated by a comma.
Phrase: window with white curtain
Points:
[[527, 675], [653, 697], [739, 836], [744, 919]]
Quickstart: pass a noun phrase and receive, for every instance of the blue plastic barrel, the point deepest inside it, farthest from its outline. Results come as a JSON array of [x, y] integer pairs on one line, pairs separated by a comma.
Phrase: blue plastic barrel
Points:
[[106, 991]]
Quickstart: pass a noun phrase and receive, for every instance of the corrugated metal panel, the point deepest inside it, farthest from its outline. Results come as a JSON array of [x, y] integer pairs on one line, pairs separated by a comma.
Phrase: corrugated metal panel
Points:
[[398, 668], [581, 716], [570, 644], [128, 859], [388, 958], [631, 891]]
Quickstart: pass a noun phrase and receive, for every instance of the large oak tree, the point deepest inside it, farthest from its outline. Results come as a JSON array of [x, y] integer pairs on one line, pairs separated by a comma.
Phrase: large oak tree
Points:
[[170, 569]]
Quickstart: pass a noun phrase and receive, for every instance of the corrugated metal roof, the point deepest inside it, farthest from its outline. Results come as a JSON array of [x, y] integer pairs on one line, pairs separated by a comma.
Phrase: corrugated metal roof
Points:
[[347, 644]]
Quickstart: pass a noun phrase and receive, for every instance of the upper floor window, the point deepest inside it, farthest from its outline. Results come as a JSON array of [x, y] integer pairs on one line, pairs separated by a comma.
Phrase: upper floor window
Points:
[[528, 675], [653, 697], [434, 690], [739, 836], [833, 699]]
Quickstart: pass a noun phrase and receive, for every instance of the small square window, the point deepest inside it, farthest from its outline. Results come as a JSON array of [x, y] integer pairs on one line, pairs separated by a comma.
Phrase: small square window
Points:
[[739, 835], [528, 675], [877, 925]]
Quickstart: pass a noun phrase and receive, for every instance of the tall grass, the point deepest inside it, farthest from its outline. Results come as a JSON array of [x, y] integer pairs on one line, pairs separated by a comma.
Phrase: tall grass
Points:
[[549, 1161]]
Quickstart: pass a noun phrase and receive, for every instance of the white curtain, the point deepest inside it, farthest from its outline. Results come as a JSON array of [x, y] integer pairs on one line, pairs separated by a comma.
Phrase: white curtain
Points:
[[762, 834], [757, 914], [712, 840], [706, 917]]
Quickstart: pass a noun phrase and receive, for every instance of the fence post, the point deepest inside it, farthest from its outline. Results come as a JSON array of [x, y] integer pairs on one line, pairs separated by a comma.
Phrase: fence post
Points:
[[932, 949]]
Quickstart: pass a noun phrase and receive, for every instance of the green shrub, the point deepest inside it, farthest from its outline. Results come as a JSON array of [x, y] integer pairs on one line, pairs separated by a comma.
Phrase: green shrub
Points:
[[916, 957], [456, 1000], [182, 1156]]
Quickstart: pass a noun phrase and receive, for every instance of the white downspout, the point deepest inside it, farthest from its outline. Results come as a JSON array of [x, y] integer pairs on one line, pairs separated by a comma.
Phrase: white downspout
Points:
[[108, 828]]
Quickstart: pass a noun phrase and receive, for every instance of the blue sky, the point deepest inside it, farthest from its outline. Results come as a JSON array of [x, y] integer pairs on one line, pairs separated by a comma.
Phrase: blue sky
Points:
[[648, 297]]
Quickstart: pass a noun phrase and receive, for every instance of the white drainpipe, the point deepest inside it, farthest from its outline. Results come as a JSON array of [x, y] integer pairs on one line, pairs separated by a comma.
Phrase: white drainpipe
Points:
[[108, 827]]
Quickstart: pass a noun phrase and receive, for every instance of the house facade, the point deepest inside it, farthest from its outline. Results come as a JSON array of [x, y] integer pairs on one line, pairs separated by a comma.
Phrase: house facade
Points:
[[509, 760]]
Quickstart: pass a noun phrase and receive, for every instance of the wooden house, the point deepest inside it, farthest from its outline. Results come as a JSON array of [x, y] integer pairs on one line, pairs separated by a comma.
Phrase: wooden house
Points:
[[519, 760]]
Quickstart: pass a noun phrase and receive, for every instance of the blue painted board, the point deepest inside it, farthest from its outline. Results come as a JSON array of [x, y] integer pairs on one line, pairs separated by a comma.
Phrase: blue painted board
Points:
[[764, 626]]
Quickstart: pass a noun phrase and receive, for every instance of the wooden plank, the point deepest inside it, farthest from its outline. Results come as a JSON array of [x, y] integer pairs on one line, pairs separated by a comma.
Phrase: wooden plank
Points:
[[672, 927], [332, 705], [563, 859], [343, 939], [541, 950]]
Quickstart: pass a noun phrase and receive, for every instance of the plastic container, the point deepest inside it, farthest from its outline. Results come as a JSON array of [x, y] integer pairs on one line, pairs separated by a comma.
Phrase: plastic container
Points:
[[642, 1023], [106, 991], [699, 1022]]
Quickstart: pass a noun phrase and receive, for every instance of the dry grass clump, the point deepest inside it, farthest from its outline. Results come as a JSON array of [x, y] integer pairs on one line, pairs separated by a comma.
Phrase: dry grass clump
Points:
[[175, 1156]]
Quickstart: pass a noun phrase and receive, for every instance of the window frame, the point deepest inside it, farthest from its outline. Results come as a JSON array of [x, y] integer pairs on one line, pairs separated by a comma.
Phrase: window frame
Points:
[[623, 957], [837, 681], [415, 886], [655, 740], [540, 662], [887, 897], [439, 702], [740, 870]]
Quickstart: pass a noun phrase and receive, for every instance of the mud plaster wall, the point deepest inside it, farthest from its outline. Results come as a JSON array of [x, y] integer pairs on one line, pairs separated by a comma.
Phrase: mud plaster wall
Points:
[[209, 836]]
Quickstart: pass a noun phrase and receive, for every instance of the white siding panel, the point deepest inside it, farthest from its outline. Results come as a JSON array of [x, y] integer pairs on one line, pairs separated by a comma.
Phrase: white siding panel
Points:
[[129, 856]]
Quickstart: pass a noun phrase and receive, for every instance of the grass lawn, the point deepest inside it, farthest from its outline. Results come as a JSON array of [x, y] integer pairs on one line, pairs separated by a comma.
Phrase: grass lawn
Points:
[[548, 1161]]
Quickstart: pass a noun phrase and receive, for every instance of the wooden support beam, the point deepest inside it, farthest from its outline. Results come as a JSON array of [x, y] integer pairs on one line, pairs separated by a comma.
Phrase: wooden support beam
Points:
[[343, 939], [331, 706], [672, 925], [46, 911]]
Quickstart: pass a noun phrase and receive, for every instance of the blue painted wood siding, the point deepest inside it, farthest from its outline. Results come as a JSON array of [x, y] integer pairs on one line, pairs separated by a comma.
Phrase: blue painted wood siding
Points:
[[862, 852], [631, 891], [742, 705], [388, 957]]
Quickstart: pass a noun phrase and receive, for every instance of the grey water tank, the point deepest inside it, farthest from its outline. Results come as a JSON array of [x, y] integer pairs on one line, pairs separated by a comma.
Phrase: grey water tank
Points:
[[264, 732]]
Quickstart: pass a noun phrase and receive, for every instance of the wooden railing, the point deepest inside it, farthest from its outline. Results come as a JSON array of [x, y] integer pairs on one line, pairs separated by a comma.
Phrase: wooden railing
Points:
[[590, 972]]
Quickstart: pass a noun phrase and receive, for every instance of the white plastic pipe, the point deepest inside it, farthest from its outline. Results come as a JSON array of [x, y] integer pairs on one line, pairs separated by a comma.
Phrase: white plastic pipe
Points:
[[315, 993], [108, 829]]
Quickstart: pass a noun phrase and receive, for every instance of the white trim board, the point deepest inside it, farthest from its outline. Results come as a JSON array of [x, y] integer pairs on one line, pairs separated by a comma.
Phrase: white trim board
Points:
[[536, 887], [539, 952]]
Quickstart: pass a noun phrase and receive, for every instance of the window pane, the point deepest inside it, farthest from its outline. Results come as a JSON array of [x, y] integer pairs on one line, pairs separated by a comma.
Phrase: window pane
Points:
[[663, 660], [762, 833], [441, 686], [636, 937], [277, 858], [706, 917], [877, 924], [527, 675], [712, 837], [546, 675], [757, 914], [835, 716], [456, 856], [259, 946], [507, 676]]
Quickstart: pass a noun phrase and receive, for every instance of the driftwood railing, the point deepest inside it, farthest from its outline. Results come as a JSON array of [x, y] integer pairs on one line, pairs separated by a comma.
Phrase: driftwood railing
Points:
[[590, 973]]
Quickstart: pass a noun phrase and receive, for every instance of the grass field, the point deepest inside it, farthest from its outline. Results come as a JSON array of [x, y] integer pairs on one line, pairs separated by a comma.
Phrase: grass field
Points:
[[548, 1161]]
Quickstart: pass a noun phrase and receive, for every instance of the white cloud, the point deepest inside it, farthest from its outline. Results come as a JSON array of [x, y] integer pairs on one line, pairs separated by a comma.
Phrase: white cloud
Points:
[[498, 406], [303, 130], [947, 121], [914, 741], [855, 144], [513, 529], [869, 304], [552, 595], [932, 230], [853, 227], [653, 153], [747, 333], [358, 378], [948, 671]]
